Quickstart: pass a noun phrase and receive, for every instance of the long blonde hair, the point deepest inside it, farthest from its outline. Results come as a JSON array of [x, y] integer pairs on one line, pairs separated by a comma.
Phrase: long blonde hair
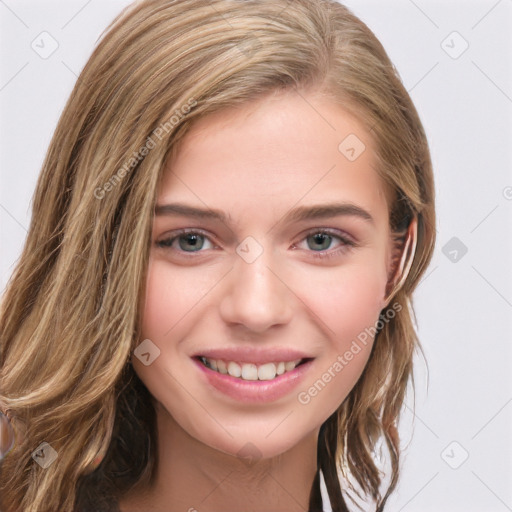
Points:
[[70, 315]]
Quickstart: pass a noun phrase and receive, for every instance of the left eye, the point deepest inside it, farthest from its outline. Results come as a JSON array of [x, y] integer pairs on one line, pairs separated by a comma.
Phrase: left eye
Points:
[[322, 241]]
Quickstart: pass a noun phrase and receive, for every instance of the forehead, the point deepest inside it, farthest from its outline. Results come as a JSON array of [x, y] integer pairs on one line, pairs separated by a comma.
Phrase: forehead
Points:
[[276, 151]]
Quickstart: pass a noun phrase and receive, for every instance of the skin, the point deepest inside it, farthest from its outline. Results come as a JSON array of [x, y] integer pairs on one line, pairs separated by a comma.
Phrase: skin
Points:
[[256, 163]]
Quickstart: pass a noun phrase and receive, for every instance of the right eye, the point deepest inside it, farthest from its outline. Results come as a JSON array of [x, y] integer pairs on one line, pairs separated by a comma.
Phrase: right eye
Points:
[[187, 241]]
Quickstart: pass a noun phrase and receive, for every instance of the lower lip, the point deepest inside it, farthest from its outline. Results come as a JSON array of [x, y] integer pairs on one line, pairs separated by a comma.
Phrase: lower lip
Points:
[[255, 391]]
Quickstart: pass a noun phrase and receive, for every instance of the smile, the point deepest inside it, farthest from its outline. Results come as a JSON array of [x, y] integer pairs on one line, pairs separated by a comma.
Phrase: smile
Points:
[[253, 383], [250, 371]]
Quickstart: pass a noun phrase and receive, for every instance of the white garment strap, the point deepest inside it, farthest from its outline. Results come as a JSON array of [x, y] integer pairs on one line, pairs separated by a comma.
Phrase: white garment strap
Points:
[[326, 502]]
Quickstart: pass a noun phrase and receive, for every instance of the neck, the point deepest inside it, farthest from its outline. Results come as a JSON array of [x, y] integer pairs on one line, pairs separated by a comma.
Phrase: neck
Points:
[[193, 477]]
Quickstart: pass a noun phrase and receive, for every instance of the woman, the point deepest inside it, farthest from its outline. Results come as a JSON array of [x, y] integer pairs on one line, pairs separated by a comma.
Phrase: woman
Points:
[[212, 310]]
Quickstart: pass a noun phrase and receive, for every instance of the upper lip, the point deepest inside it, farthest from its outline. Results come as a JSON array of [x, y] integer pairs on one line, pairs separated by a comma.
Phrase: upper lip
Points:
[[254, 356]]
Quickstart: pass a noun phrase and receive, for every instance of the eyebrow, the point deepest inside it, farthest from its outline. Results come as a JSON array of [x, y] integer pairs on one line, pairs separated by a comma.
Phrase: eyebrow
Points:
[[191, 211], [322, 211], [302, 213]]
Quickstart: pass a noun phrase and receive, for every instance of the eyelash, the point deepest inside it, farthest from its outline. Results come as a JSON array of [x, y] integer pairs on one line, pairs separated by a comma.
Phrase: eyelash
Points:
[[347, 243]]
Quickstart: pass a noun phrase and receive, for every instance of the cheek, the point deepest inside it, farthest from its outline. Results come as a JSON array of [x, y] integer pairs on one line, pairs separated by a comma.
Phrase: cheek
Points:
[[348, 305], [347, 300], [168, 298]]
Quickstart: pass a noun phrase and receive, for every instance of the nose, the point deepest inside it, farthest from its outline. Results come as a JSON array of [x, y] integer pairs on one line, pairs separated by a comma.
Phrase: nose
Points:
[[256, 296]]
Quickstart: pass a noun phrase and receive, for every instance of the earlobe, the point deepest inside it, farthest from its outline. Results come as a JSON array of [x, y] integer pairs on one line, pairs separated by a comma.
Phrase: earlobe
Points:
[[404, 265]]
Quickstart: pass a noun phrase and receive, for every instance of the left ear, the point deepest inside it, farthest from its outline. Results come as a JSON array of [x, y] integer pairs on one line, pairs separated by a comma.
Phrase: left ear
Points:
[[401, 262]]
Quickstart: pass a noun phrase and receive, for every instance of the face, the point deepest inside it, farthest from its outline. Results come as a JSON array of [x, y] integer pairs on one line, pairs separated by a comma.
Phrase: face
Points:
[[270, 245]]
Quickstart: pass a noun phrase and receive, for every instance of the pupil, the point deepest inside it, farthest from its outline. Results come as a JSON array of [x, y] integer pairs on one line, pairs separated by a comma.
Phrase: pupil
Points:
[[190, 241], [321, 239]]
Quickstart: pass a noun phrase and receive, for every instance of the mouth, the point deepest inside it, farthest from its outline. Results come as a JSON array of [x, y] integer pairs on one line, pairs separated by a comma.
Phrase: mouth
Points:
[[250, 371], [259, 382]]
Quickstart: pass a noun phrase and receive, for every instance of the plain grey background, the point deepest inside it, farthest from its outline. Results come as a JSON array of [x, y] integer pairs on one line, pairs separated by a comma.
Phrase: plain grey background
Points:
[[455, 59]]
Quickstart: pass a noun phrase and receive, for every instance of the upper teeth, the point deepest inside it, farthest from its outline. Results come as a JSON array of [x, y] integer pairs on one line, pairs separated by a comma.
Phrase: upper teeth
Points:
[[250, 371]]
